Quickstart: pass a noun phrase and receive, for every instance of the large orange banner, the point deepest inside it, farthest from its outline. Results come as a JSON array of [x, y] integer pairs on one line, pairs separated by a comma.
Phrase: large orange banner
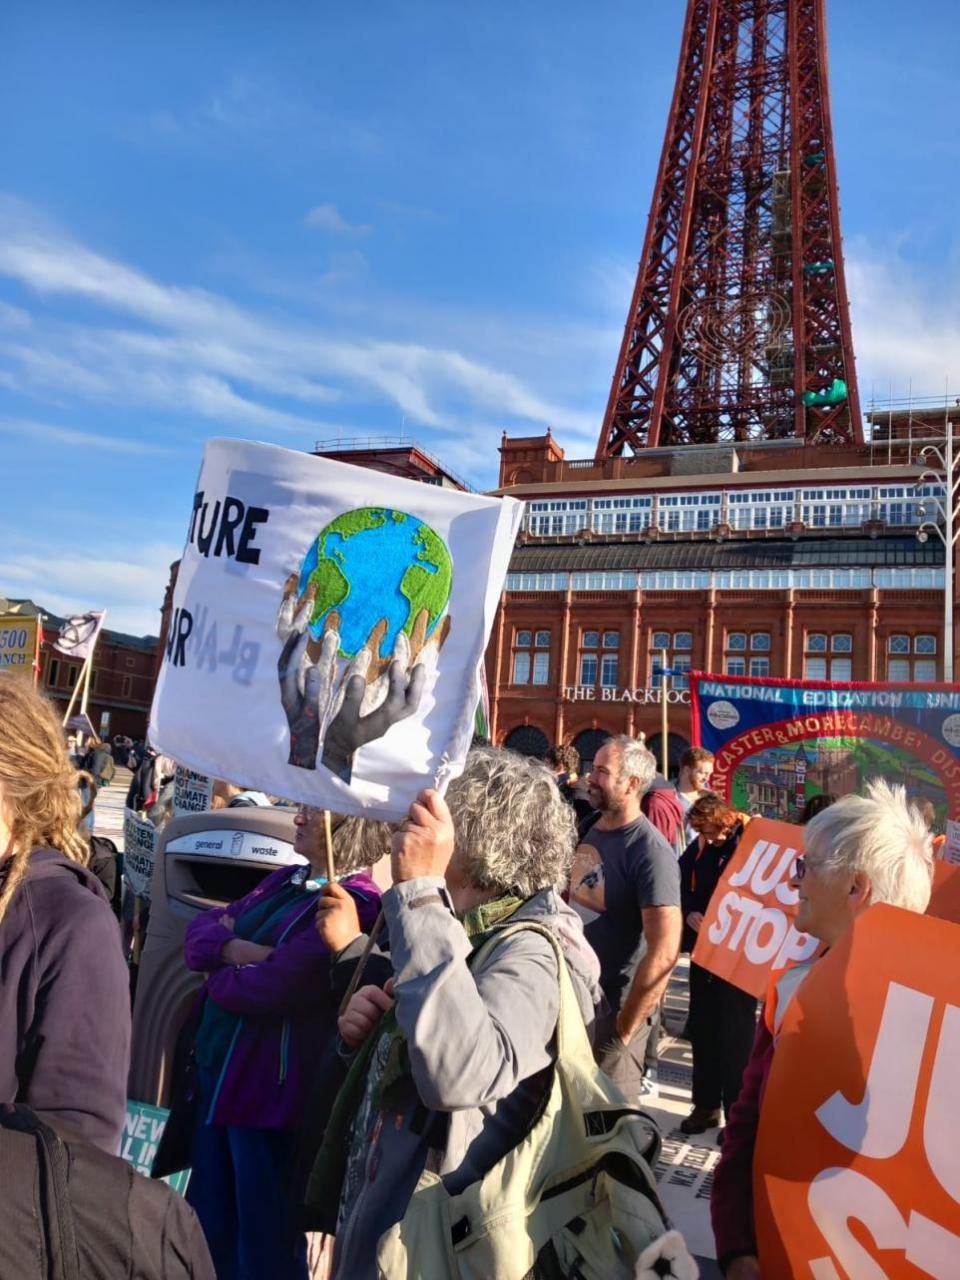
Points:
[[857, 1165], [747, 930]]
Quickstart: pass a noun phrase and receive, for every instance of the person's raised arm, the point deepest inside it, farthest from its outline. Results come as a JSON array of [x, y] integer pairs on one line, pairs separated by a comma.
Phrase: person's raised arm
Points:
[[471, 1038], [661, 931]]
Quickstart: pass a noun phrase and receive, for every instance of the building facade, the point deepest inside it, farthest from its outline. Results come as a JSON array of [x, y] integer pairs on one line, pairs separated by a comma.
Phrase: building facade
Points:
[[122, 678], [768, 560]]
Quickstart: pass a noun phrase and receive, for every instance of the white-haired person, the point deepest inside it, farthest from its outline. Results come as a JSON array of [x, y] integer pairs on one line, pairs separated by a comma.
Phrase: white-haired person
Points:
[[861, 851], [462, 1060]]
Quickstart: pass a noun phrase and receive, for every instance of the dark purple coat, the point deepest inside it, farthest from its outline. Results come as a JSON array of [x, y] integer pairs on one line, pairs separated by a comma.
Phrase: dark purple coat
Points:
[[65, 1002], [287, 1007]]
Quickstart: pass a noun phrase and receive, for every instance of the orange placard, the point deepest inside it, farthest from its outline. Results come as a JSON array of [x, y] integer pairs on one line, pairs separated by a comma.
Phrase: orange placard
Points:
[[945, 899], [747, 930], [857, 1164]]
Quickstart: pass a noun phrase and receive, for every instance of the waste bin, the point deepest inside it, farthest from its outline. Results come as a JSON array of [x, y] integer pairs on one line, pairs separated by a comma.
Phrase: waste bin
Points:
[[203, 860]]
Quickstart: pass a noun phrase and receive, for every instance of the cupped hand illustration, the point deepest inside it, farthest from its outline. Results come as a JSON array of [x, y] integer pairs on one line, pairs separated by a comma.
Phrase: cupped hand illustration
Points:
[[306, 670], [374, 693]]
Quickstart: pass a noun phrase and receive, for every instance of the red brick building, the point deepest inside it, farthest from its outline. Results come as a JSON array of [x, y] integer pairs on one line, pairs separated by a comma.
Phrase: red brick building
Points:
[[768, 559]]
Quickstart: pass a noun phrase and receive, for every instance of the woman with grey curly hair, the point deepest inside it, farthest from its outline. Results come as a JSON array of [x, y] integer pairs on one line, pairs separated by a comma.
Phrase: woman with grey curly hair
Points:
[[512, 829], [461, 1055]]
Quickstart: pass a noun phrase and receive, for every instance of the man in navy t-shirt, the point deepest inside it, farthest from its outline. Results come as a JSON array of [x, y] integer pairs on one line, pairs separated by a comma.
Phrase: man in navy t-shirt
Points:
[[626, 885]]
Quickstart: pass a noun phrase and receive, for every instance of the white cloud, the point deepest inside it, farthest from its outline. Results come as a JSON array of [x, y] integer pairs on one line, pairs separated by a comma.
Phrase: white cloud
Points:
[[131, 589], [13, 317], [327, 217], [906, 327], [251, 111], [31, 432], [196, 351]]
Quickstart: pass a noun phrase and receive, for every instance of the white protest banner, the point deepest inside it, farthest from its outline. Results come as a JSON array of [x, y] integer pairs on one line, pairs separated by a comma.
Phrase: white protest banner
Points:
[[192, 792], [139, 852], [328, 628], [747, 929]]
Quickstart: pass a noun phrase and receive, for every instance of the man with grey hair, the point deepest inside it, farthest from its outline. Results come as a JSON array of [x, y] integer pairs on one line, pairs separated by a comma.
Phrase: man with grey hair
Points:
[[861, 851], [461, 1059], [626, 885]]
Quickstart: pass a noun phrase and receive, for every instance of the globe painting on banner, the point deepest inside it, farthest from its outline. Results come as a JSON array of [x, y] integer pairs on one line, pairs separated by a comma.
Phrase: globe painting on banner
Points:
[[372, 589], [367, 548], [328, 628]]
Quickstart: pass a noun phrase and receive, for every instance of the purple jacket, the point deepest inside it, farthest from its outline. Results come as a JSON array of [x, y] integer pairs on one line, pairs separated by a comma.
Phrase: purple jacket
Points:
[[288, 1010]]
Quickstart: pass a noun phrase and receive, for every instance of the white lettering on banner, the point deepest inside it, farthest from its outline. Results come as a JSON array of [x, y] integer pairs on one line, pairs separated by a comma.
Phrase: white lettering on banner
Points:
[[756, 871], [940, 1138], [839, 1197], [878, 1127], [784, 943], [764, 933]]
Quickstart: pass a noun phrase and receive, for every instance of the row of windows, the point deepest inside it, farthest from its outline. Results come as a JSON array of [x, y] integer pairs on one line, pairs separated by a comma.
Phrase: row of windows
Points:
[[890, 579], [531, 658], [841, 508], [70, 673]]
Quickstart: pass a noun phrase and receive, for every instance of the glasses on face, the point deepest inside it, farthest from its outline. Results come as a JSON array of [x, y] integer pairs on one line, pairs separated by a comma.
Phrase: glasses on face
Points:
[[800, 868]]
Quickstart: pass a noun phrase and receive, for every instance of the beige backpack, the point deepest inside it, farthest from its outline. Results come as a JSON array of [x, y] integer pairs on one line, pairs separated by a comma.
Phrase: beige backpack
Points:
[[574, 1200]]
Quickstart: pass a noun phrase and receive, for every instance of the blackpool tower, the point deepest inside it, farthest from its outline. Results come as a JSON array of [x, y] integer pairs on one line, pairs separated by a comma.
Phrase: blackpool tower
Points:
[[739, 326]]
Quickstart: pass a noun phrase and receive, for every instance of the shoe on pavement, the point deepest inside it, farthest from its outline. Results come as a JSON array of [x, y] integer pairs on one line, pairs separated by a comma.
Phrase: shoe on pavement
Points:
[[650, 1084], [700, 1120]]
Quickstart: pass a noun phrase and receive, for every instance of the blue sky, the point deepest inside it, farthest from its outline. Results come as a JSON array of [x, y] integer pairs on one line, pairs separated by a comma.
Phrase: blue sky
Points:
[[294, 221]]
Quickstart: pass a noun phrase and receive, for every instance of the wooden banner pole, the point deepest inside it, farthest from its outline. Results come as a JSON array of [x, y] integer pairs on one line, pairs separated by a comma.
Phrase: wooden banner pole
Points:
[[664, 721], [328, 844], [76, 689]]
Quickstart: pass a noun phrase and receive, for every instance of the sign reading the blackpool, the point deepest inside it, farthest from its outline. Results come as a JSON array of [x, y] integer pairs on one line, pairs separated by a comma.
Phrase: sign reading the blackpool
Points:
[[857, 1166], [328, 628], [649, 696], [748, 930], [779, 742]]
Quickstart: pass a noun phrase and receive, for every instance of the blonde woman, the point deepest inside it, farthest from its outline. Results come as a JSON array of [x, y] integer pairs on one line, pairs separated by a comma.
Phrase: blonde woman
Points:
[[64, 998]]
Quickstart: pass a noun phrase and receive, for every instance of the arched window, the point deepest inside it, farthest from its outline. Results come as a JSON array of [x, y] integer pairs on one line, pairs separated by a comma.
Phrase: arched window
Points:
[[588, 744], [527, 741], [676, 746]]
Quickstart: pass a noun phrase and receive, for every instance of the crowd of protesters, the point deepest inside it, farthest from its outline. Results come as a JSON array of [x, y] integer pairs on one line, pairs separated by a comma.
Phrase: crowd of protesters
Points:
[[354, 1054]]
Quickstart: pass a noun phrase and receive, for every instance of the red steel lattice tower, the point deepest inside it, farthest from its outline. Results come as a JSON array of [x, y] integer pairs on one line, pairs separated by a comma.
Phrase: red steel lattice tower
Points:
[[739, 327]]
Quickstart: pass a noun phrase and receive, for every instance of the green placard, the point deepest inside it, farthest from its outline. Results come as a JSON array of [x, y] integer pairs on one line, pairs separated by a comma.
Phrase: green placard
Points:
[[143, 1128]]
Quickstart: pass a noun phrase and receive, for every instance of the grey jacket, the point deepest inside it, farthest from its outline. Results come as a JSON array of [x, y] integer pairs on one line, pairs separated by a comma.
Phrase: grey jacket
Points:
[[481, 1047]]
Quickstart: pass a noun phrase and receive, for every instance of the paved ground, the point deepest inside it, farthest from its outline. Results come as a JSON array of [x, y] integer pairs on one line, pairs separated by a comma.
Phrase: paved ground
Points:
[[686, 1166], [685, 1171]]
